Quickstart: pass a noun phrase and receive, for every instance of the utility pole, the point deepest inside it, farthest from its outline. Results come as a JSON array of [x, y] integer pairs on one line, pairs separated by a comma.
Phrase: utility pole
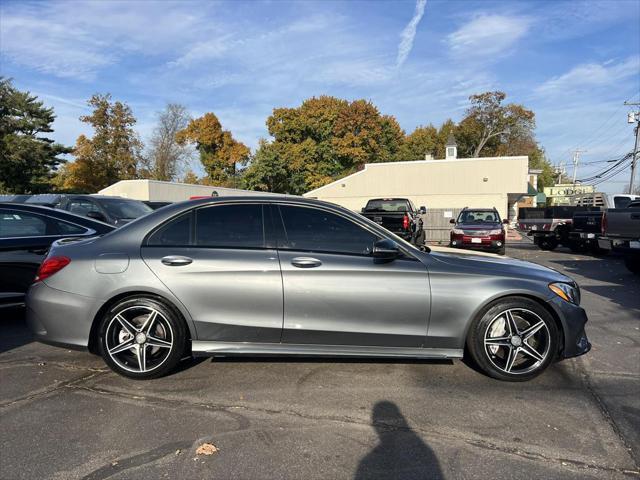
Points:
[[634, 117], [576, 159]]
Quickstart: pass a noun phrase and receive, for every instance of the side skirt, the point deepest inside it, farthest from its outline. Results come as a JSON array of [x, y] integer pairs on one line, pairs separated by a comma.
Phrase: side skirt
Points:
[[206, 348]]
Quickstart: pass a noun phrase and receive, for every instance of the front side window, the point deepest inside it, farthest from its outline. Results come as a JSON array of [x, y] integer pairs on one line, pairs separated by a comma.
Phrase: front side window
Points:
[[14, 223], [230, 226], [311, 229]]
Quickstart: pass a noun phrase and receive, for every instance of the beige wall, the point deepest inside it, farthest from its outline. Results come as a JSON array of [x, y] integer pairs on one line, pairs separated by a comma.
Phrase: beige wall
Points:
[[433, 183], [167, 191]]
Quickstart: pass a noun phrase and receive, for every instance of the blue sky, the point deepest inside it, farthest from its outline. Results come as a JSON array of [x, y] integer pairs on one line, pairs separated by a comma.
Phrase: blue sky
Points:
[[574, 63]]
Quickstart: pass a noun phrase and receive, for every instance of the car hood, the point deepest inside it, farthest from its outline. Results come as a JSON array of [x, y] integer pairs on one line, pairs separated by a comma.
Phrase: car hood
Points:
[[498, 265]]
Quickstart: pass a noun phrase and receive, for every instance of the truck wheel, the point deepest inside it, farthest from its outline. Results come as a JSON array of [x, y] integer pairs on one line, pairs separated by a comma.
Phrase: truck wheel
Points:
[[632, 262], [548, 243]]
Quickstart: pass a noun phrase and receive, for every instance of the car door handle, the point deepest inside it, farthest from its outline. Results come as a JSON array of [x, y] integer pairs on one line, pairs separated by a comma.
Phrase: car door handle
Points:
[[306, 262], [176, 260]]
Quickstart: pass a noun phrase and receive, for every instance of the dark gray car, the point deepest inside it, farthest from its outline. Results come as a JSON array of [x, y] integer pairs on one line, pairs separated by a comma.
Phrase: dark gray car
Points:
[[289, 276]]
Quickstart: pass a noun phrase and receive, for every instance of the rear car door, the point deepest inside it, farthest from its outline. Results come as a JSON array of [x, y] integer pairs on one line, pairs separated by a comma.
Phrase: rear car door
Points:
[[335, 293], [218, 261]]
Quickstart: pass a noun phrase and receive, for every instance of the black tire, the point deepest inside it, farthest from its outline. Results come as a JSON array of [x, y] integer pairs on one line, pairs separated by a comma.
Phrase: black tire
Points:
[[548, 243], [167, 327], [526, 313], [502, 251], [632, 262]]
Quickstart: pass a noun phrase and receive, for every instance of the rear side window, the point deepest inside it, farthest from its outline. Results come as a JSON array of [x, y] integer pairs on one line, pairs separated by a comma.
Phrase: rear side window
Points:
[[230, 226], [175, 233], [65, 228], [312, 229], [622, 202], [14, 223]]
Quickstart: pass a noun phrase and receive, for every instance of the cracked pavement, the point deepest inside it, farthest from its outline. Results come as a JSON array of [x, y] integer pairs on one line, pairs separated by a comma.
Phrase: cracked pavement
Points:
[[64, 415]]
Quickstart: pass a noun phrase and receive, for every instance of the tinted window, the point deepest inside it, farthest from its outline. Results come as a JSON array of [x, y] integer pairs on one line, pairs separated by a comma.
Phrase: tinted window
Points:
[[230, 226], [387, 206], [622, 202], [81, 207], [65, 228], [14, 223], [123, 208], [312, 229], [177, 232], [478, 216]]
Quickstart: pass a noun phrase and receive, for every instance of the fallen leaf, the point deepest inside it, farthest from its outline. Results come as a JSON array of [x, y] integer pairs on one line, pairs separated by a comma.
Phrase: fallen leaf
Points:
[[178, 451], [206, 449]]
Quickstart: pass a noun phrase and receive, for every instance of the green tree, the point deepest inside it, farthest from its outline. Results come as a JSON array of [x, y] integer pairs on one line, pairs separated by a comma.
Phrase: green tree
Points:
[[27, 157], [324, 138], [220, 153], [111, 154], [422, 141]]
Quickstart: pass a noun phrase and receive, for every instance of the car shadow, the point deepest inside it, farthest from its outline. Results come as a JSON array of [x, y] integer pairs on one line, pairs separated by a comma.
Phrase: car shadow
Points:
[[13, 329], [400, 453]]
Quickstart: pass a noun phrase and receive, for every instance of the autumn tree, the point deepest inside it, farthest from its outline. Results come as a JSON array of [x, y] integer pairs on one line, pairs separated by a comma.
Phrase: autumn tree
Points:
[[220, 153], [165, 156], [488, 119], [27, 157], [190, 177], [110, 155], [324, 138], [419, 143]]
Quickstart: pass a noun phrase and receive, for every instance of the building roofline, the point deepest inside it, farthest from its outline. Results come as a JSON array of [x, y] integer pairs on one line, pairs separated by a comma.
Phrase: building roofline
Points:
[[414, 162]]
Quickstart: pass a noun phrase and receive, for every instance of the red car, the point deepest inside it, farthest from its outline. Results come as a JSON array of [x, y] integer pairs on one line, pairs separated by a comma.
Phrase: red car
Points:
[[479, 229]]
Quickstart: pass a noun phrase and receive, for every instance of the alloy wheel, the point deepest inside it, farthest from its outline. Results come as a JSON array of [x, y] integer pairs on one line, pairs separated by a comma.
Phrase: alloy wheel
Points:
[[139, 339], [517, 341]]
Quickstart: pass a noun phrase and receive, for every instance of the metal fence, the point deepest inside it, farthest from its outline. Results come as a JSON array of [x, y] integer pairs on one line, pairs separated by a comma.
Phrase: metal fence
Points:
[[436, 223]]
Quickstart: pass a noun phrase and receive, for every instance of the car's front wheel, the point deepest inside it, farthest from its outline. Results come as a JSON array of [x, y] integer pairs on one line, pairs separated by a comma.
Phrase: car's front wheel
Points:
[[142, 338], [515, 340]]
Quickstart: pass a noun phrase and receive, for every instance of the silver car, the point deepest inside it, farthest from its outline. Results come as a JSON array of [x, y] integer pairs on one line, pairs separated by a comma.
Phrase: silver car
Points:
[[277, 275]]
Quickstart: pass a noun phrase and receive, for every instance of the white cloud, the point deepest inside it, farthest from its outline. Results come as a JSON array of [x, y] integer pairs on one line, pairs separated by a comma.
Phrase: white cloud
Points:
[[409, 33], [591, 75], [488, 35]]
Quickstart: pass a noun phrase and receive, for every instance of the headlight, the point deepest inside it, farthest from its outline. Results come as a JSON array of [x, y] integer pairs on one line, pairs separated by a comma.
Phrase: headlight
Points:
[[457, 231], [566, 291], [495, 232]]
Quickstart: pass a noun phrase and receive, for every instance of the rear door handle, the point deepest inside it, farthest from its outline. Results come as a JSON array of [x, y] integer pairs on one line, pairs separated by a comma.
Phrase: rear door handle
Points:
[[306, 262], [176, 260]]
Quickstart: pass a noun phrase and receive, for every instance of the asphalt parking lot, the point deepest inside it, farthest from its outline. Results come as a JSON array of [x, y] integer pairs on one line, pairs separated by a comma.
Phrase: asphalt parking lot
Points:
[[63, 415]]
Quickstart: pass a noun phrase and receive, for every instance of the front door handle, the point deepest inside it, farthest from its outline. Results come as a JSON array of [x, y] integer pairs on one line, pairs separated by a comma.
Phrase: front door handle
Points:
[[306, 262], [176, 260]]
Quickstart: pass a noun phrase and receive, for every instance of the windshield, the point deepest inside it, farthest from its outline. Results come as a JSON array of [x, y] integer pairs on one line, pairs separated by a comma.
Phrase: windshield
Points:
[[387, 206], [124, 208], [478, 216]]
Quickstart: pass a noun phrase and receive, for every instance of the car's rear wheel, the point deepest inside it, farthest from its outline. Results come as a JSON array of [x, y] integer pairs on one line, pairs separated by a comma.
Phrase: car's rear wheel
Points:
[[142, 338], [515, 340], [548, 243]]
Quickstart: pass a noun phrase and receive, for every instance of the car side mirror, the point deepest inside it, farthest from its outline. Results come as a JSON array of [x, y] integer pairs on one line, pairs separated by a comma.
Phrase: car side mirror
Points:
[[385, 249], [505, 221], [423, 210], [453, 220], [96, 215]]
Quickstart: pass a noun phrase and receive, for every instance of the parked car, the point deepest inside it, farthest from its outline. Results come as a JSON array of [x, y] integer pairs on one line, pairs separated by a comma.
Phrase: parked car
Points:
[[156, 205], [478, 229], [279, 275], [586, 229], [398, 215], [603, 200], [621, 233], [116, 211], [549, 226], [26, 233]]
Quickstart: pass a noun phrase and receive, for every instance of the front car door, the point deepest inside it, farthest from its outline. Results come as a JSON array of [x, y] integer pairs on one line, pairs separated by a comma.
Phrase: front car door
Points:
[[217, 260], [335, 293]]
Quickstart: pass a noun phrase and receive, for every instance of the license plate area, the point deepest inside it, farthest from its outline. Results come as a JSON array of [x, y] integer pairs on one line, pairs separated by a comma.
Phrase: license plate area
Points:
[[476, 240]]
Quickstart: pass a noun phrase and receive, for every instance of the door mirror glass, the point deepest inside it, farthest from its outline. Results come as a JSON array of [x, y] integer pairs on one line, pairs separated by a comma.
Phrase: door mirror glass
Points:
[[453, 220], [385, 249], [423, 210], [96, 215]]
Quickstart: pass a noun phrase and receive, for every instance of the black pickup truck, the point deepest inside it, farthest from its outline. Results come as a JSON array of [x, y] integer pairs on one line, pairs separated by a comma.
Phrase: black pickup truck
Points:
[[399, 216], [621, 233], [586, 229]]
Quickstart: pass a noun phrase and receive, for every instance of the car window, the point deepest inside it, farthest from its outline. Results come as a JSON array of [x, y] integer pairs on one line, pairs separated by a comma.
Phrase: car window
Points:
[[14, 223], [230, 226], [65, 228], [622, 202], [124, 208], [175, 233], [478, 216], [312, 229], [386, 206], [80, 206]]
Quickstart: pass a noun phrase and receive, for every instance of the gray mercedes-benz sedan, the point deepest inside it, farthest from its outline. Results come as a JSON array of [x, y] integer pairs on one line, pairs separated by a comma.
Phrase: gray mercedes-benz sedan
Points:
[[278, 275]]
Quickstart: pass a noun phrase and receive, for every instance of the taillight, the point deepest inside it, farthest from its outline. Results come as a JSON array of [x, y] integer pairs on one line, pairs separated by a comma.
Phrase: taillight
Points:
[[50, 266], [405, 222], [603, 224]]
